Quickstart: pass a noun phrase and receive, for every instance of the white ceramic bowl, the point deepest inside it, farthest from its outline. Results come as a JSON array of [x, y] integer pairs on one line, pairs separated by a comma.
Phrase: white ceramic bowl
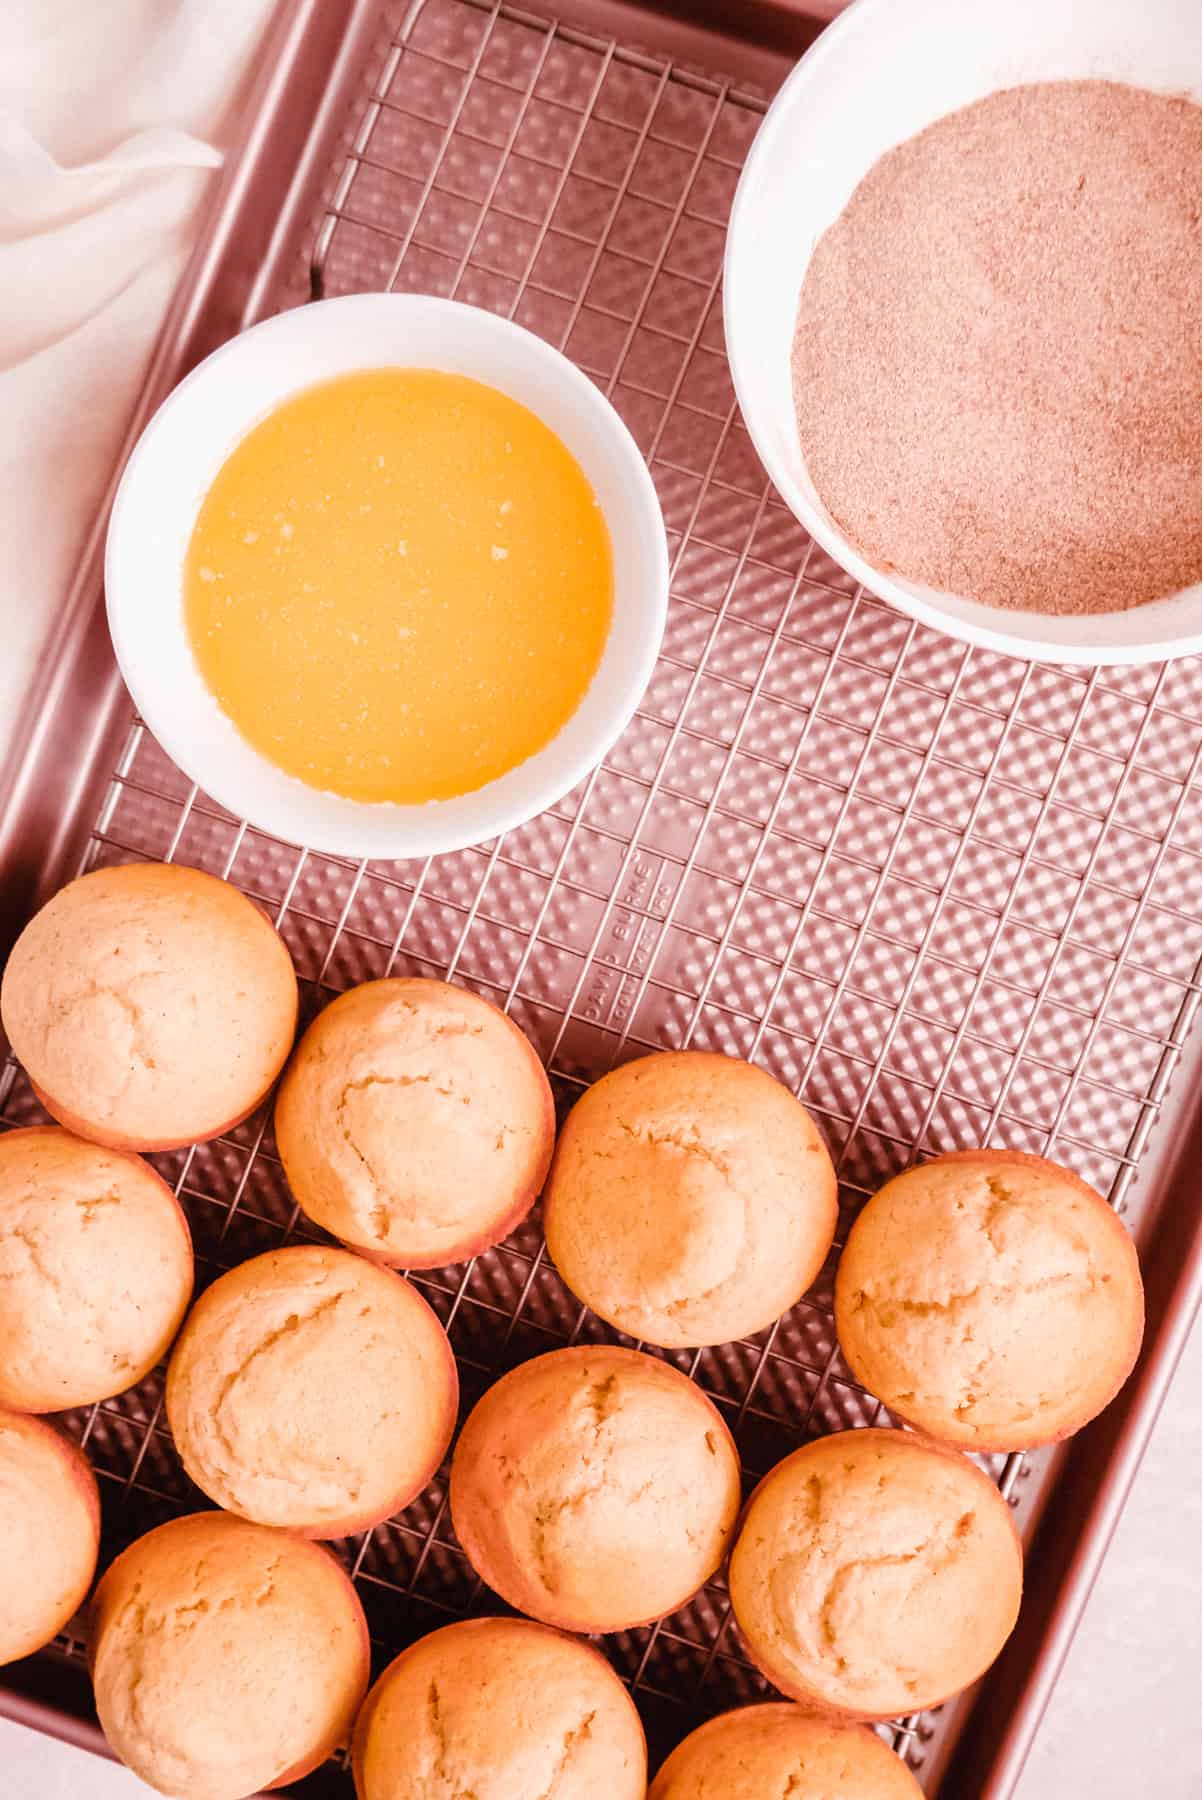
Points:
[[181, 451], [879, 74]]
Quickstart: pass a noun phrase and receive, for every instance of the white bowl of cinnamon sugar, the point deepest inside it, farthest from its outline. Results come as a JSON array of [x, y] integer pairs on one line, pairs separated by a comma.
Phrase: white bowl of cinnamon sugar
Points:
[[963, 299]]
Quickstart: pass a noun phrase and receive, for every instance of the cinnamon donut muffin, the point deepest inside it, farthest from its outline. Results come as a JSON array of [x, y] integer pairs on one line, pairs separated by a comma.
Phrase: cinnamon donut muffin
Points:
[[150, 1004], [990, 1298], [595, 1488], [691, 1200], [313, 1390], [501, 1709], [759, 1751], [415, 1122], [49, 1533], [226, 1658], [875, 1574], [95, 1270]]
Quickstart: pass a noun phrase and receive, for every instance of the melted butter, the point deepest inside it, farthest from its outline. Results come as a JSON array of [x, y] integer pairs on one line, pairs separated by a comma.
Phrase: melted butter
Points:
[[399, 586]]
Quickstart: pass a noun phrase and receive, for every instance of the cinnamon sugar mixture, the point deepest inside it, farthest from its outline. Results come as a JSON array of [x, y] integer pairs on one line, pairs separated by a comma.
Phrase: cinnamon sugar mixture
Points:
[[997, 367]]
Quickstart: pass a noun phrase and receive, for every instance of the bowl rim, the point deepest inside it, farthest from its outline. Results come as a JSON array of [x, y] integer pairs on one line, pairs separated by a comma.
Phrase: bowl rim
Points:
[[1024, 639], [388, 831]]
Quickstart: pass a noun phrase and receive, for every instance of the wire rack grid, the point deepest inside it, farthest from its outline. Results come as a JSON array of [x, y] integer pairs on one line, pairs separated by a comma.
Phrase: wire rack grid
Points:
[[947, 898]]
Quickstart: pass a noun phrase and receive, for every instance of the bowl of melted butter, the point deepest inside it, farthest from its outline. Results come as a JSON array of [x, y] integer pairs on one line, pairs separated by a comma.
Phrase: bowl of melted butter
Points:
[[386, 575]]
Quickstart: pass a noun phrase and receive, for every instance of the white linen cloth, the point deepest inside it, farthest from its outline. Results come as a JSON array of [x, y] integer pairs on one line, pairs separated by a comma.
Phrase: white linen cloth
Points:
[[112, 117]]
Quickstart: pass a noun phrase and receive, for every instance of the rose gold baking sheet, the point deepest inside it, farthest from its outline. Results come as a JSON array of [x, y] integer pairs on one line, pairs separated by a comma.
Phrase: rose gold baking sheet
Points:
[[949, 898]]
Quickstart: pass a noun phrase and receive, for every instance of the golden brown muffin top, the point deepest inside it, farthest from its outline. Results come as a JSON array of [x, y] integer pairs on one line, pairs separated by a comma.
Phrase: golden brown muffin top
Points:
[[95, 1270], [991, 1298], [225, 1655], [49, 1533], [875, 1574], [760, 1751], [502, 1709], [415, 1121], [150, 1002], [312, 1389], [691, 1199], [595, 1488]]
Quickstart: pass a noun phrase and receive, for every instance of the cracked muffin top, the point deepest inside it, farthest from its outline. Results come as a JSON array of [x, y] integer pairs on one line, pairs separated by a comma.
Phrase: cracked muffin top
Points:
[[151, 1005], [95, 1270], [991, 1299], [415, 1122], [756, 1752], [691, 1199], [500, 1709], [49, 1533], [226, 1658], [312, 1389], [875, 1574], [595, 1488]]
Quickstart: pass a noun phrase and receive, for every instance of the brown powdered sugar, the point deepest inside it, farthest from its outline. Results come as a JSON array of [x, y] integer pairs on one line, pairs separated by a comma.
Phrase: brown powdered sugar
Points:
[[997, 367]]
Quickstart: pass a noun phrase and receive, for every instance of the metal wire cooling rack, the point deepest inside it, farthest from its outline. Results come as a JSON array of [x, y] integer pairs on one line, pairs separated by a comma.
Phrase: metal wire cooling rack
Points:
[[948, 898]]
